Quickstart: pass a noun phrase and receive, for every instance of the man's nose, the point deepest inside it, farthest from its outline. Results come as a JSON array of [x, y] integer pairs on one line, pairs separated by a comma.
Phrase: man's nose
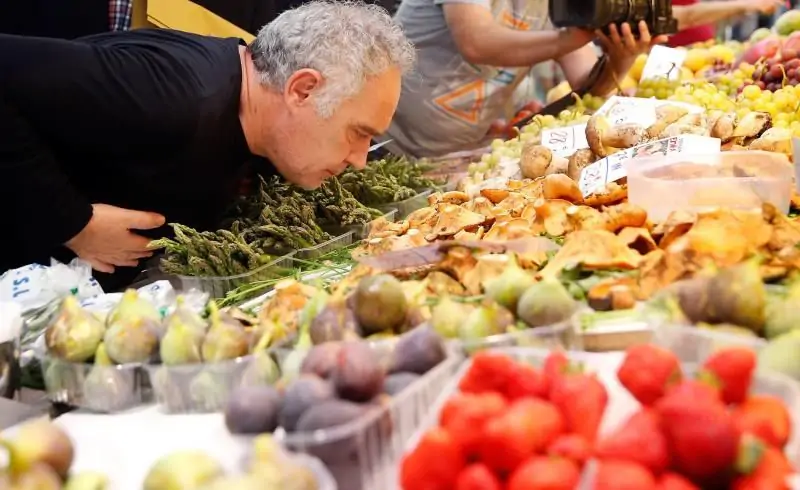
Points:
[[358, 160]]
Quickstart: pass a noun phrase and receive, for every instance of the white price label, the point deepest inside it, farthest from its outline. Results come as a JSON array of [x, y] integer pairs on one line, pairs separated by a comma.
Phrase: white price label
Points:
[[664, 62], [596, 176], [566, 140], [636, 110]]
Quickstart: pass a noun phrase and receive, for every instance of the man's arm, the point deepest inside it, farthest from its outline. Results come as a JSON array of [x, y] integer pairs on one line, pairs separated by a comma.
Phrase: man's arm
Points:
[[579, 64], [717, 11], [481, 40], [42, 209]]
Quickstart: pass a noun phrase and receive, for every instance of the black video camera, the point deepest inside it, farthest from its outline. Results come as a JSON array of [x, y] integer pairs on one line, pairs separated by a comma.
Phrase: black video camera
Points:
[[599, 14]]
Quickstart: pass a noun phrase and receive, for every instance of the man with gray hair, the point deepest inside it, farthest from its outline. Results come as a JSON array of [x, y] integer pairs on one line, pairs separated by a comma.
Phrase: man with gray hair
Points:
[[109, 135]]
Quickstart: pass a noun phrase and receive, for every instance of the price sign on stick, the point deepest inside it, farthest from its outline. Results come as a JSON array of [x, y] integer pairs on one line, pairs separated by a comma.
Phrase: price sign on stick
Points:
[[565, 141], [664, 62]]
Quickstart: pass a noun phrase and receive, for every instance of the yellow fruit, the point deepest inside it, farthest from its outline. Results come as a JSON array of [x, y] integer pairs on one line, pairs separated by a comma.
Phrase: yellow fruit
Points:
[[557, 92], [638, 66], [628, 82], [722, 53], [686, 74], [696, 59]]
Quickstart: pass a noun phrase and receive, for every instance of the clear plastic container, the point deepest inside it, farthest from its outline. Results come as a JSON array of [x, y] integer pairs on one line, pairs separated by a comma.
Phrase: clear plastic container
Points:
[[361, 231], [693, 344], [408, 206], [205, 387], [217, 287], [103, 389], [324, 248], [697, 182], [561, 335], [620, 405], [362, 454]]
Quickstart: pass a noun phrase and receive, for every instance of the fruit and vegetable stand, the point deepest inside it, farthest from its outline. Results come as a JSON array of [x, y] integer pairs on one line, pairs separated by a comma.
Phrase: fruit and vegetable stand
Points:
[[411, 328]]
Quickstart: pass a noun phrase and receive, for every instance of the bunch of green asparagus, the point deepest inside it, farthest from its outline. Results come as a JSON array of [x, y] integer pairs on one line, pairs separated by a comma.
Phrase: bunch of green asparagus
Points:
[[388, 180]]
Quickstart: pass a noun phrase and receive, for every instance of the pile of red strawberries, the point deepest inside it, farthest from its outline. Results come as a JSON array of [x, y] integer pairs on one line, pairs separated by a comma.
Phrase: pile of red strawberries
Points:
[[516, 427]]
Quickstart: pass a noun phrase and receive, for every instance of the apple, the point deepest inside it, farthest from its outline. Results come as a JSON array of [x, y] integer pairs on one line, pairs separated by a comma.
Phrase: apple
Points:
[[762, 50], [498, 127]]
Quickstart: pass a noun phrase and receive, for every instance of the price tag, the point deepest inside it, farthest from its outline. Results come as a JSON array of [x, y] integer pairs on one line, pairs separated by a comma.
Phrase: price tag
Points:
[[636, 110], [596, 176], [565, 141], [664, 62]]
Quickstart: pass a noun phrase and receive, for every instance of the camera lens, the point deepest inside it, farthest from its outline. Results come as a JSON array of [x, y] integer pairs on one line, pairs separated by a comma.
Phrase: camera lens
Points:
[[598, 14]]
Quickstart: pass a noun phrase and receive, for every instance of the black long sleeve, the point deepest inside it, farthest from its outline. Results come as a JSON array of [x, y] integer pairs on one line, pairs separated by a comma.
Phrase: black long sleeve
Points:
[[41, 204], [145, 120]]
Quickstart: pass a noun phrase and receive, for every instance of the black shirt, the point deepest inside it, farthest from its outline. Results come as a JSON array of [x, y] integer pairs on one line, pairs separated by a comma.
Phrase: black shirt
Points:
[[146, 120]]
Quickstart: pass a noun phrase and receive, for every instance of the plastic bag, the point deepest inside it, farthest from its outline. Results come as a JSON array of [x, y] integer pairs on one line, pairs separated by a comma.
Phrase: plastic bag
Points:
[[160, 294], [35, 285]]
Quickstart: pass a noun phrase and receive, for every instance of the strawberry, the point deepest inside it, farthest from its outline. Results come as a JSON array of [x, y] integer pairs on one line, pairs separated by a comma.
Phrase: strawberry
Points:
[[640, 440], [623, 475], [674, 481], [488, 372], [555, 366], [528, 426], [477, 477], [465, 415], [434, 464], [732, 368], [647, 370], [526, 381], [543, 473], [582, 399], [766, 417], [571, 446], [691, 389], [701, 435]]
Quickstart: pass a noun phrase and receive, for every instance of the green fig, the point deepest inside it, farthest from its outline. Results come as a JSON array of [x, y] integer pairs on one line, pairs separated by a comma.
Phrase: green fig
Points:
[[380, 304], [262, 370], [183, 340], [780, 315], [133, 305], [737, 295], [507, 288], [185, 317], [780, 355], [209, 391], [39, 442], [107, 388], [225, 339], [183, 470], [447, 317], [87, 480], [546, 303], [75, 333], [487, 319]]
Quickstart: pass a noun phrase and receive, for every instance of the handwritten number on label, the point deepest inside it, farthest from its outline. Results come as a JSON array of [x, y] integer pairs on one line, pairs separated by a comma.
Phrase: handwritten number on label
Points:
[[558, 137]]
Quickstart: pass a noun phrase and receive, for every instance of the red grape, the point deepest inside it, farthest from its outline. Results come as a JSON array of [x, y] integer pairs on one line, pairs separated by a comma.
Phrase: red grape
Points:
[[795, 63], [788, 54], [761, 84], [792, 82], [791, 73], [777, 72]]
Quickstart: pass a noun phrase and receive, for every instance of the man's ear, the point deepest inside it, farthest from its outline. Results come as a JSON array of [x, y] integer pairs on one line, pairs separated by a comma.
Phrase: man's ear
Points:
[[301, 85]]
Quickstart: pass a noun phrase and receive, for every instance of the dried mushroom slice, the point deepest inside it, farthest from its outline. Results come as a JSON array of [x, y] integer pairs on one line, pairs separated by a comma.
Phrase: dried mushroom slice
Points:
[[785, 231], [638, 239], [466, 236], [551, 214], [451, 197], [585, 218], [776, 140], [510, 230], [382, 227], [677, 224], [752, 125], [487, 267], [595, 129], [592, 249], [623, 215], [480, 205], [612, 193], [723, 127], [495, 195], [624, 136], [453, 218], [514, 203], [421, 216], [726, 237], [559, 186]]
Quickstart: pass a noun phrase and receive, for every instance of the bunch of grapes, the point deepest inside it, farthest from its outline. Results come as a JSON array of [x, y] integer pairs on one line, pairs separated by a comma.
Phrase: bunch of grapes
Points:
[[660, 88], [730, 82], [782, 104], [704, 94], [775, 74]]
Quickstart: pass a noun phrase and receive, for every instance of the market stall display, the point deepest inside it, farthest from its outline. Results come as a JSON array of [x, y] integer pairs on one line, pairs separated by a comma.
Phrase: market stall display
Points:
[[41, 455], [525, 419]]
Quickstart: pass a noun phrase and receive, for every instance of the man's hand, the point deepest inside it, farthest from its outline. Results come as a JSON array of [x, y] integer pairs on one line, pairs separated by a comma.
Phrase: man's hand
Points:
[[107, 240], [622, 48]]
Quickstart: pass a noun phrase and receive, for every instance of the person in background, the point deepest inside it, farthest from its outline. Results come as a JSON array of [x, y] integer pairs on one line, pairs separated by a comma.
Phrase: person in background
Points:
[[473, 54], [697, 19], [107, 137], [64, 19]]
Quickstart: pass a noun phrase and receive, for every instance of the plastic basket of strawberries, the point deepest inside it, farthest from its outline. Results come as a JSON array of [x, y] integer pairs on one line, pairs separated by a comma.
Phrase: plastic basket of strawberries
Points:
[[528, 419]]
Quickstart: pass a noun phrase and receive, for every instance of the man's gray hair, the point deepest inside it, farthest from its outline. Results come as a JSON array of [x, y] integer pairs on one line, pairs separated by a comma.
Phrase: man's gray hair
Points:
[[345, 41]]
